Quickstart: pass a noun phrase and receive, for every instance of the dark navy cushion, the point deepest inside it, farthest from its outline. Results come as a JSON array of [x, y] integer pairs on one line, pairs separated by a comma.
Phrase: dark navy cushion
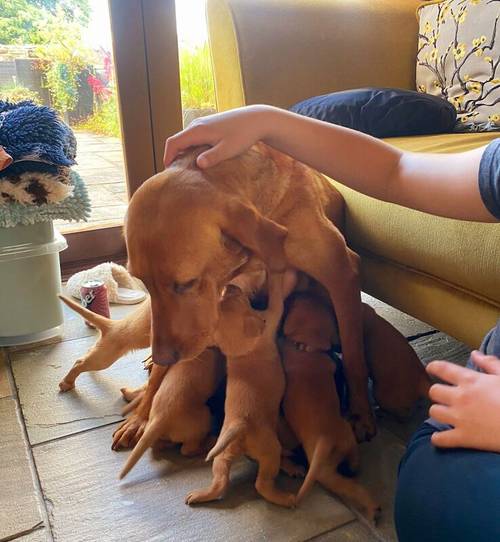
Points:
[[382, 112]]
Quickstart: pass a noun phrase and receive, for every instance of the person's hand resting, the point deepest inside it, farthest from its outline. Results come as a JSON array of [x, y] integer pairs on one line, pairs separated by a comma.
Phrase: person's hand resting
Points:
[[471, 404], [228, 134]]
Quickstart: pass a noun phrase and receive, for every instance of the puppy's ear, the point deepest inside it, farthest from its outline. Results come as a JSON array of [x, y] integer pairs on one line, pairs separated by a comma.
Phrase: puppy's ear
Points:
[[253, 326], [262, 236]]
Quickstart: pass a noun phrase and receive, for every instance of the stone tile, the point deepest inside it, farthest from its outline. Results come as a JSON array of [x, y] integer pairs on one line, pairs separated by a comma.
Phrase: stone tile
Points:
[[90, 161], [96, 176], [441, 346], [5, 389], [379, 466], [111, 153], [19, 505], [39, 535], [101, 197], [96, 400], [112, 212], [79, 479], [405, 323], [404, 429], [352, 532]]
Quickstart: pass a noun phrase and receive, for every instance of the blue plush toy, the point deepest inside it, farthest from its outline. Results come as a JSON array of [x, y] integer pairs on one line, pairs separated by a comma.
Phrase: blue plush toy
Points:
[[36, 151]]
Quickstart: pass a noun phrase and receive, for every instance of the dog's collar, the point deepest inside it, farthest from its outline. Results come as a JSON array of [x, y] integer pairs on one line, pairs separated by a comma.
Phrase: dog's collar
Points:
[[304, 347]]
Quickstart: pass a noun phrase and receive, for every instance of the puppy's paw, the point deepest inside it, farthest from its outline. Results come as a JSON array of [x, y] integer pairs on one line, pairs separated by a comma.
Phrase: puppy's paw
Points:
[[201, 495], [128, 433], [291, 501], [363, 424], [64, 385], [129, 394], [373, 513], [292, 469]]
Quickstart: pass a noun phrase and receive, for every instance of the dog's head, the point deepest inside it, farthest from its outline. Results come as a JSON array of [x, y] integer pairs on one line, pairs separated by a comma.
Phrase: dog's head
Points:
[[185, 241], [311, 321]]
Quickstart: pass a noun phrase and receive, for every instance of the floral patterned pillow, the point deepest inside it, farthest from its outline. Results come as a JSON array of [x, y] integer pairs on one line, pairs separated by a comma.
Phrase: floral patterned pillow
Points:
[[458, 59]]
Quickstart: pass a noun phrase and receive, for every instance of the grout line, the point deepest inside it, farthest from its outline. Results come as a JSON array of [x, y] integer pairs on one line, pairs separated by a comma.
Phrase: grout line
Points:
[[69, 435], [423, 334], [38, 527], [31, 459], [341, 526]]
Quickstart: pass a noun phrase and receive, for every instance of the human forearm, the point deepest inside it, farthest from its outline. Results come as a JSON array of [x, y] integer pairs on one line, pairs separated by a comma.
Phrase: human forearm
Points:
[[357, 160], [440, 184]]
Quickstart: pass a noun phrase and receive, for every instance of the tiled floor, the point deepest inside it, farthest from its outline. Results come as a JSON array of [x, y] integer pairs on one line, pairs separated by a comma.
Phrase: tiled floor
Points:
[[101, 166], [58, 475]]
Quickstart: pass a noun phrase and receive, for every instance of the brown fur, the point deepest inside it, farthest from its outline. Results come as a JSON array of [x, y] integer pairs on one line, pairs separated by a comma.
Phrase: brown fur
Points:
[[189, 231], [255, 387], [116, 338], [311, 404], [179, 413], [399, 378]]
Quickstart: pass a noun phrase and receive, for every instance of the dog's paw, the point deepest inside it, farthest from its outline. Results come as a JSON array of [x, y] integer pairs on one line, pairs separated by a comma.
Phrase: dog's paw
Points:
[[129, 394], [292, 469], [373, 513], [363, 425], [64, 385], [128, 433], [200, 496]]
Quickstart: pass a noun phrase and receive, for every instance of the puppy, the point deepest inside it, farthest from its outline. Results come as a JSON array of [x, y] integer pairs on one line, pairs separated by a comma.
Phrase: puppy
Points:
[[179, 413], [255, 387], [116, 338], [311, 404], [399, 377]]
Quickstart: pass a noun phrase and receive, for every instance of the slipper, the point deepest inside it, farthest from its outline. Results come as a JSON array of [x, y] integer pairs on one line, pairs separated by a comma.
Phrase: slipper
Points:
[[122, 288]]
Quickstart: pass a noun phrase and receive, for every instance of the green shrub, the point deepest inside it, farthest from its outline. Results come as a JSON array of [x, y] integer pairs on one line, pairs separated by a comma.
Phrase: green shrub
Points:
[[16, 93], [104, 120], [197, 82]]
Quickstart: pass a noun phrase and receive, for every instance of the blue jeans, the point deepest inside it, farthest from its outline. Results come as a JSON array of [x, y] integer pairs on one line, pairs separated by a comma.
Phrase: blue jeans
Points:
[[449, 495]]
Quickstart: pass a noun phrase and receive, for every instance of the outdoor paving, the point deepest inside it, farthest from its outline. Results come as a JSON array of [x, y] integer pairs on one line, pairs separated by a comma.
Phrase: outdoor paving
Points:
[[101, 166], [58, 473]]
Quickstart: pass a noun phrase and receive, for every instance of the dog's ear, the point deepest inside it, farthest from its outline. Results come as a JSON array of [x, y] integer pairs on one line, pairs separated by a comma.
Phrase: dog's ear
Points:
[[262, 236], [253, 326]]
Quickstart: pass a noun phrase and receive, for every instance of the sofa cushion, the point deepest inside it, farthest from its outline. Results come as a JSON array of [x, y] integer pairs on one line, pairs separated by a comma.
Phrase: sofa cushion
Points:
[[457, 59], [464, 254], [382, 112]]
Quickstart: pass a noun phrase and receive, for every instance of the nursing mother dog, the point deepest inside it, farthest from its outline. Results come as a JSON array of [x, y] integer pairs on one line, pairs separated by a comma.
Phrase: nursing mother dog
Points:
[[190, 230]]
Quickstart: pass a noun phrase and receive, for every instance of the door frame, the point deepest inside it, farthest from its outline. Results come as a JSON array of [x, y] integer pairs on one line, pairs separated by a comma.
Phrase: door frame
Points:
[[146, 58]]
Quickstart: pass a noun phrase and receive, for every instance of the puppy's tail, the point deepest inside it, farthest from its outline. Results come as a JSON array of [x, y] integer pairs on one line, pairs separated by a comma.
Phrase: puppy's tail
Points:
[[320, 456], [150, 436], [100, 322], [226, 437]]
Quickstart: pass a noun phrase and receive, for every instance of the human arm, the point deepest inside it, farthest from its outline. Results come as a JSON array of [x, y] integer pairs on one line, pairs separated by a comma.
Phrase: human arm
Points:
[[440, 184], [470, 402]]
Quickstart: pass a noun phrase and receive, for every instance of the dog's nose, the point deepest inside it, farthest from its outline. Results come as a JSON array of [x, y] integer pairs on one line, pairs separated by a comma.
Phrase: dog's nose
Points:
[[165, 356]]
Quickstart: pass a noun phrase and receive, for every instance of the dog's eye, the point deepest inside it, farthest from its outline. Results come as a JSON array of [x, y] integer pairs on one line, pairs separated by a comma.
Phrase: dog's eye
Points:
[[181, 287], [231, 245]]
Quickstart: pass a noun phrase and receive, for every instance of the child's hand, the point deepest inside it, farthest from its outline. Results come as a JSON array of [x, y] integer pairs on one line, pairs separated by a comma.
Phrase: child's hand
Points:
[[229, 134], [471, 404]]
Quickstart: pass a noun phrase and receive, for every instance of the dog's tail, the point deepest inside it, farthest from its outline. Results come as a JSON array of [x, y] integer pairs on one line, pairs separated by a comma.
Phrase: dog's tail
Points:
[[319, 457], [150, 436], [226, 437], [100, 322]]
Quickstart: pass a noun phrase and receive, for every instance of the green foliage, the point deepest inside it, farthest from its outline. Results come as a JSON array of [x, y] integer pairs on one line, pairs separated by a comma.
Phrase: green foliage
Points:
[[104, 121], [18, 94], [197, 82], [21, 20], [63, 57]]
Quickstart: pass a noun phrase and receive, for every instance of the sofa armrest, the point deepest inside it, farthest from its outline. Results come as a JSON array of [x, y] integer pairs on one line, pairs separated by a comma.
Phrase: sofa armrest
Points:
[[282, 51]]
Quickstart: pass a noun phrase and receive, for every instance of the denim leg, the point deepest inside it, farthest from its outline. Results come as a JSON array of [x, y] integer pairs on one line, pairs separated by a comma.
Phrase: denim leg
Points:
[[447, 495]]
